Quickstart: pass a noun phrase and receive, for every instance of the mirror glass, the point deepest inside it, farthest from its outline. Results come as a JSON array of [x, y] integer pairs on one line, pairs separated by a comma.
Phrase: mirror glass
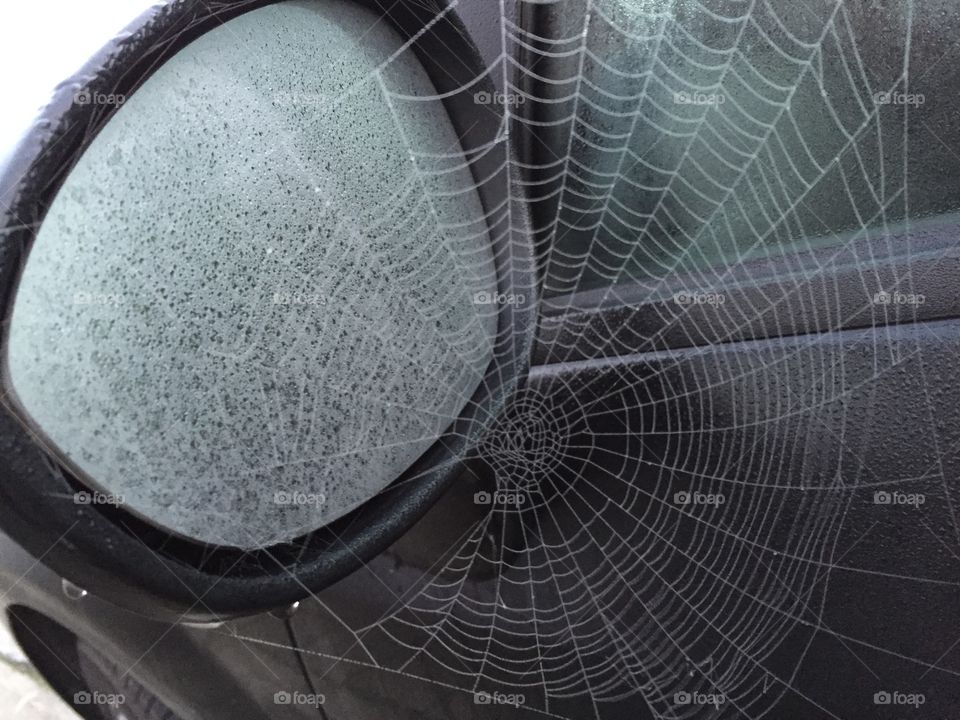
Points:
[[258, 297]]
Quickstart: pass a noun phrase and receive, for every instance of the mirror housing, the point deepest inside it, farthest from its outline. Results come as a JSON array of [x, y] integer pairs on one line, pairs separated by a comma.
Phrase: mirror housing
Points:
[[119, 555]]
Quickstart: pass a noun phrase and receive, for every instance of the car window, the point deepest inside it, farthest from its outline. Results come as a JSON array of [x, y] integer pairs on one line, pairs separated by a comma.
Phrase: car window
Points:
[[705, 136]]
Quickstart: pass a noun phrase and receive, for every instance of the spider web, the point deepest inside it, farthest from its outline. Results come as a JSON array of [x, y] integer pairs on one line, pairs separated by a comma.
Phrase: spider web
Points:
[[673, 523], [601, 583], [606, 583]]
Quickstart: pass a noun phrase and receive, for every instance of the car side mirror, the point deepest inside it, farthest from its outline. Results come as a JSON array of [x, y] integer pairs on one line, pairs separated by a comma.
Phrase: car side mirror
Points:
[[268, 277]]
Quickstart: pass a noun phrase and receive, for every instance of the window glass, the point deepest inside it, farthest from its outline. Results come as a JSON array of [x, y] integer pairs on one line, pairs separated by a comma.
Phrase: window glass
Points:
[[707, 135]]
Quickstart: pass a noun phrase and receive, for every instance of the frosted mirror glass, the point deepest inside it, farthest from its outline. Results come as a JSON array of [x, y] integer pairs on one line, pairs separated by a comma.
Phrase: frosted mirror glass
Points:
[[255, 302]]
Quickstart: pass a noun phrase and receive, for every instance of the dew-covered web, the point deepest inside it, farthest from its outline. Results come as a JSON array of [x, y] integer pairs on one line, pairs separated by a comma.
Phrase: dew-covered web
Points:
[[655, 531]]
